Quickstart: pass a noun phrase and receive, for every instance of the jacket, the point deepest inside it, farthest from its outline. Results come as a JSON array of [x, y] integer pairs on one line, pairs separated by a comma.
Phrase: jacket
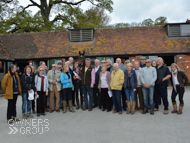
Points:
[[7, 85], [139, 83], [65, 81], [180, 77], [117, 80], [108, 79], [57, 78], [38, 83], [27, 83], [133, 79], [97, 76]]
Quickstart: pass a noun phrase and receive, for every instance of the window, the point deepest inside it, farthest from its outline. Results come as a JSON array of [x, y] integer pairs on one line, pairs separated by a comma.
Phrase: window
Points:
[[81, 35], [178, 30]]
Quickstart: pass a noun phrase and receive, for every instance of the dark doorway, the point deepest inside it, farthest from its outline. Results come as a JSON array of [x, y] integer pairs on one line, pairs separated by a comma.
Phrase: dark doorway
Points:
[[22, 65], [168, 60]]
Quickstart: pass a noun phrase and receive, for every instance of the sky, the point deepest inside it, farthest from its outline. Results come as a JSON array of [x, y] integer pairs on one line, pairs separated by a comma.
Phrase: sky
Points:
[[128, 11]]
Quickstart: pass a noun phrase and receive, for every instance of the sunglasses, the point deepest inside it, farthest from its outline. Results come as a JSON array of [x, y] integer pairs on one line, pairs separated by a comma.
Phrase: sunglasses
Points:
[[147, 62], [53, 66], [126, 62], [41, 70], [103, 62]]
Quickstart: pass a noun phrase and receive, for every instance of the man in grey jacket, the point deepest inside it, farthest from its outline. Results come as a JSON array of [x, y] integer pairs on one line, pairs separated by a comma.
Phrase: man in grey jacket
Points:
[[148, 78], [54, 87]]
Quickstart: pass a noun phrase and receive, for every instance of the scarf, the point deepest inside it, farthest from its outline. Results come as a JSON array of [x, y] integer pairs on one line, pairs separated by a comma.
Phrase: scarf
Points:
[[68, 74], [174, 72]]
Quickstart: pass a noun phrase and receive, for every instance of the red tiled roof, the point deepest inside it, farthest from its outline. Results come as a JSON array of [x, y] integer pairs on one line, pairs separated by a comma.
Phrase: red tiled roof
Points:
[[121, 41]]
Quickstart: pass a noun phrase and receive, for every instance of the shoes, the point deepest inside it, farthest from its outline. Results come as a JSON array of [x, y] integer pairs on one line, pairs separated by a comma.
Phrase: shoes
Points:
[[38, 115], [90, 109], [64, 106], [29, 115], [108, 110], [16, 119], [128, 107], [51, 111], [84, 108], [156, 109], [114, 111], [180, 109], [103, 109], [140, 111], [24, 116], [10, 121], [175, 107], [145, 111], [57, 110], [43, 114], [95, 106], [46, 110], [34, 112], [70, 106], [166, 112], [120, 112], [151, 112]]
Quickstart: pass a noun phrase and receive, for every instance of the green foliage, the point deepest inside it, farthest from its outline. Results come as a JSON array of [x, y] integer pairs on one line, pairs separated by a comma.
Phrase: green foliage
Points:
[[160, 21]]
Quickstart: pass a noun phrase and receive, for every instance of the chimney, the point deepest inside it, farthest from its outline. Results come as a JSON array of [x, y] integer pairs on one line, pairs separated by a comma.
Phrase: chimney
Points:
[[188, 21]]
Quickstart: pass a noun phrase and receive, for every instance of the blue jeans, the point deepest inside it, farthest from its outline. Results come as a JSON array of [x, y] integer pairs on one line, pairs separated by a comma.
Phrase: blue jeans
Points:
[[148, 95], [25, 102], [87, 89], [117, 99], [128, 92]]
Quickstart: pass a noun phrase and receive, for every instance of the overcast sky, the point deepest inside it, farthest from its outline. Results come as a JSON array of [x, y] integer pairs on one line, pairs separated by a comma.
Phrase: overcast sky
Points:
[[138, 10]]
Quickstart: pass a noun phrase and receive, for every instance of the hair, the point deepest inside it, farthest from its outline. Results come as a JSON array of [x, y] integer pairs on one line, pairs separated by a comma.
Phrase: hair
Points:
[[67, 62], [118, 59], [11, 66], [177, 67], [104, 66], [27, 67], [127, 61], [130, 64], [71, 58], [40, 67], [64, 68], [137, 62], [41, 62], [97, 60], [153, 61], [116, 64], [88, 59], [109, 60], [34, 69], [76, 63]]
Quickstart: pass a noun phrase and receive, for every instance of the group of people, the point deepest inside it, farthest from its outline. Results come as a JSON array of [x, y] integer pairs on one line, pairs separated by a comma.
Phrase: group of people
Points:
[[102, 85]]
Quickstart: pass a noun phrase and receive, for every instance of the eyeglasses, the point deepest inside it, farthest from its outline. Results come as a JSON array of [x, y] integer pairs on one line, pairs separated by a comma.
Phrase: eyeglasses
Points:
[[53, 66], [103, 62], [147, 62], [41, 70], [126, 62]]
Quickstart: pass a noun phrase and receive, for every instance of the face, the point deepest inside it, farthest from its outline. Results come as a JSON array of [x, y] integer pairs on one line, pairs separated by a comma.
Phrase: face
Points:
[[129, 68], [96, 63], [28, 70], [104, 69], [76, 66], [41, 71], [115, 67], [108, 63], [67, 69], [136, 65], [159, 61], [153, 63], [33, 70], [43, 64], [126, 62], [59, 65], [67, 63], [148, 63], [143, 62], [103, 62], [71, 61], [87, 63], [118, 61], [173, 68], [53, 67], [14, 69], [18, 68]]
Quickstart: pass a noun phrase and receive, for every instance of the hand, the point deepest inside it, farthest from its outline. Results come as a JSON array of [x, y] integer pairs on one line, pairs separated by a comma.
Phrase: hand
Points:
[[30, 90], [35, 93], [92, 86], [70, 80], [149, 85], [163, 79], [109, 89], [98, 87], [134, 90], [46, 93], [72, 89], [145, 85], [77, 77]]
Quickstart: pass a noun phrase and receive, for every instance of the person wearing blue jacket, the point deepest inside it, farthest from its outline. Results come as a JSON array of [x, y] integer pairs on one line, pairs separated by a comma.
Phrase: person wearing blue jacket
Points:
[[66, 80], [130, 86]]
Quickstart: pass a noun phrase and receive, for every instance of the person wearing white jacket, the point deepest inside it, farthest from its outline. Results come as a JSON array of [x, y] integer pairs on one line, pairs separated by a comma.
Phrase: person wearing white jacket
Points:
[[41, 83]]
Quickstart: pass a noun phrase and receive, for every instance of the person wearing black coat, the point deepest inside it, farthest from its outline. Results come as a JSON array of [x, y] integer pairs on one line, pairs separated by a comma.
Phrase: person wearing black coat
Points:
[[28, 84], [179, 81]]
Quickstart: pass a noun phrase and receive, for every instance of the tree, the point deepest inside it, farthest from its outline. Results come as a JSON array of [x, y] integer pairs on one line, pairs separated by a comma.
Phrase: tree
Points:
[[121, 25], [49, 7], [147, 22], [160, 20]]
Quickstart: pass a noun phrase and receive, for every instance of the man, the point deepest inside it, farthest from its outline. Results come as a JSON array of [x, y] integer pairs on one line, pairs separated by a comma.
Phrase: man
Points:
[[18, 71], [59, 66], [87, 82], [123, 68], [126, 62], [108, 64], [163, 74], [139, 87], [142, 62], [43, 64], [148, 78], [54, 87], [116, 85], [71, 63], [96, 93], [103, 62]]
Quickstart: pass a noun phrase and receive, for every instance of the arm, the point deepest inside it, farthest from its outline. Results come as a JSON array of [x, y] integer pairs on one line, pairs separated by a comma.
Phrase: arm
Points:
[[23, 83], [168, 75], [121, 81], [48, 77], [99, 83], [135, 78], [58, 79], [47, 85], [142, 77], [62, 79], [33, 83], [154, 76], [185, 78], [4, 83], [92, 76], [109, 79]]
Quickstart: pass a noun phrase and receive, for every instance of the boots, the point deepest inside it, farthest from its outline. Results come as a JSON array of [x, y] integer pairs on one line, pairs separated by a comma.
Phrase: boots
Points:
[[64, 106], [133, 107], [70, 106], [175, 107], [180, 109], [77, 100], [81, 101], [128, 106]]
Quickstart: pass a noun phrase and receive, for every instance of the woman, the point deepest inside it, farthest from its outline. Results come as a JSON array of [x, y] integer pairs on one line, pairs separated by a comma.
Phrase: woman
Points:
[[77, 85], [33, 101], [153, 63], [66, 80], [179, 80], [12, 88], [27, 82], [130, 85], [104, 86], [41, 83]]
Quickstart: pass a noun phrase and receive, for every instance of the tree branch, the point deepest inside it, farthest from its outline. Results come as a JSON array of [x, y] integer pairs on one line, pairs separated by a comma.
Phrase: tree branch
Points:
[[33, 4]]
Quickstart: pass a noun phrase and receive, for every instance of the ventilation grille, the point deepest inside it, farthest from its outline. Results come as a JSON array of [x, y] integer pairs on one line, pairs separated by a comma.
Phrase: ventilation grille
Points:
[[82, 35]]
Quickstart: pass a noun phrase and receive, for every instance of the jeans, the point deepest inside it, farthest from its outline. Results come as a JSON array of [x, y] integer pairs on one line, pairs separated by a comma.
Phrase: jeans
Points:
[[25, 102], [148, 95], [129, 92], [87, 89], [117, 99], [161, 91]]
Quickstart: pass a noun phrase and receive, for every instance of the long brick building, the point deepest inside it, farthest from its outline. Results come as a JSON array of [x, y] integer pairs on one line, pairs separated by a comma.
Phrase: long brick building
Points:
[[171, 42]]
